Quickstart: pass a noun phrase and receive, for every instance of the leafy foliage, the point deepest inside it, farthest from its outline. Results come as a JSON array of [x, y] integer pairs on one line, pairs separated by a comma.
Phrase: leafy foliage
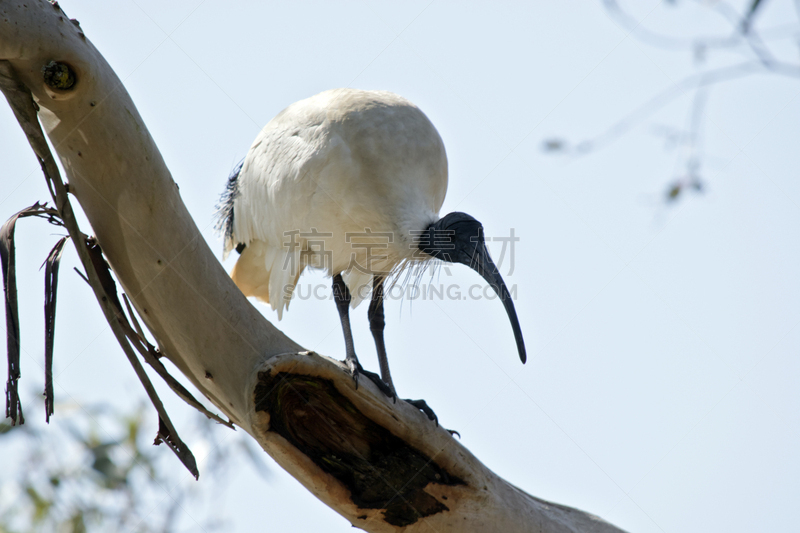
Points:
[[95, 469]]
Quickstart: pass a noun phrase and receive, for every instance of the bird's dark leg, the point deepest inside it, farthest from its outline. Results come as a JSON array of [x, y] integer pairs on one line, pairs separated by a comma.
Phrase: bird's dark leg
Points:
[[376, 326], [341, 295]]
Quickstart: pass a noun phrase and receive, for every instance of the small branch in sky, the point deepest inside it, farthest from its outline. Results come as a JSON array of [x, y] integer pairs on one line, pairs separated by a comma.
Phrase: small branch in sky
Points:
[[744, 38]]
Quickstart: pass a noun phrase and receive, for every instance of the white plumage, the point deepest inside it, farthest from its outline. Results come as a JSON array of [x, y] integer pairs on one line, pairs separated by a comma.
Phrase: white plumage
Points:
[[351, 182], [340, 163]]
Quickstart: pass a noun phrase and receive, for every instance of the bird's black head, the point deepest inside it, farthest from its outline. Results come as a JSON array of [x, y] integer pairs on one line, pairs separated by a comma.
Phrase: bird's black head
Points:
[[452, 238], [458, 238]]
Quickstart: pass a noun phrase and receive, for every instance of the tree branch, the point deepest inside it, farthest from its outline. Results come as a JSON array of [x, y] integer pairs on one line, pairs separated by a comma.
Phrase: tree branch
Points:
[[383, 466]]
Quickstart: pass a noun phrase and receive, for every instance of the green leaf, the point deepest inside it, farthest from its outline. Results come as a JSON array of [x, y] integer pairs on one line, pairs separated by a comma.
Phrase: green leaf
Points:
[[41, 505]]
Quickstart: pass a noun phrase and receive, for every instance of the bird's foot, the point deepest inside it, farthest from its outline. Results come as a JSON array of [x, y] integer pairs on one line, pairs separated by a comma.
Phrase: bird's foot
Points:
[[376, 379], [355, 368], [422, 406]]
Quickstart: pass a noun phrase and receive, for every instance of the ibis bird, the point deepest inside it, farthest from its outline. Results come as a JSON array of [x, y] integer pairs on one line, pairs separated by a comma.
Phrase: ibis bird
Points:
[[351, 182]]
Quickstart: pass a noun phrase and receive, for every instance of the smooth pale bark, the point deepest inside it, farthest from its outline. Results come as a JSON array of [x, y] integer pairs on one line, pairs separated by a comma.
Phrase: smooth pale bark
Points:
[[384, 466]]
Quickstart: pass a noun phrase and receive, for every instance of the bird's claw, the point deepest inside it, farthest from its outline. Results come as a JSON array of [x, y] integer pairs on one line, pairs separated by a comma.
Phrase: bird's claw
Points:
[[422, 406], [376, 379], [355, 368]]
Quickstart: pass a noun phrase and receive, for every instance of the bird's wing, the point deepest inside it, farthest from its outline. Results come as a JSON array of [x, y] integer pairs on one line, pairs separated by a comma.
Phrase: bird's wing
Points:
[[282, 182]]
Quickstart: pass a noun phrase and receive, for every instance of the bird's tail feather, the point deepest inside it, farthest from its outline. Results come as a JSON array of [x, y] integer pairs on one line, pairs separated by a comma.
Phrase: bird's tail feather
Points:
[[224, 214], [268, 273]]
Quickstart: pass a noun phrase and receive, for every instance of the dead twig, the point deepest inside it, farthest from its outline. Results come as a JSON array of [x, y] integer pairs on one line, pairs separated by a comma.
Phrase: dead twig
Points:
[[97, 271]]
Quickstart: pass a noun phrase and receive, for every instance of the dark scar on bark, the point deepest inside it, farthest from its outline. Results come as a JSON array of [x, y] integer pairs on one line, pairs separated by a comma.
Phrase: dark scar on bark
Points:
[[381, 470]]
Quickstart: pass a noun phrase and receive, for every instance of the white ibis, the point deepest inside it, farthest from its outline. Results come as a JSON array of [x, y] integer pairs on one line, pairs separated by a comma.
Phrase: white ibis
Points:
[[351, 182]]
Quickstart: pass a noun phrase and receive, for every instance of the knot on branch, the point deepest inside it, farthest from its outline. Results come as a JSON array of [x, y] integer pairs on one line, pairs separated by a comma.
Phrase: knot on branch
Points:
[[58, 75]]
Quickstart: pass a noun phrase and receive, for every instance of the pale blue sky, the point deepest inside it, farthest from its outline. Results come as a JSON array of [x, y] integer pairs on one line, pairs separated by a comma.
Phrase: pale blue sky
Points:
[[661, 390]]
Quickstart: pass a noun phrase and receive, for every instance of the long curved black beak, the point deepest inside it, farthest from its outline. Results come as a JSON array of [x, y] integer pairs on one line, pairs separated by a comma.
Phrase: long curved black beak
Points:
[[482, 263]]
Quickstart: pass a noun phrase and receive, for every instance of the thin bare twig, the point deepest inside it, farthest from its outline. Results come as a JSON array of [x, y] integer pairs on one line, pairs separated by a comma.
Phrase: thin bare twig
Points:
[[744, 37], [694, 81], [151, 357], [21, 101]]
